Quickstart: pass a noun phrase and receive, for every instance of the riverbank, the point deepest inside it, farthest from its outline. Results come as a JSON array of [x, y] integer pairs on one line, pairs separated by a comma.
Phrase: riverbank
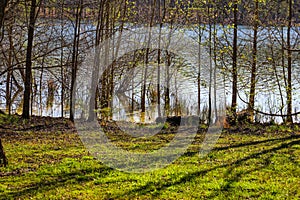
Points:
[[47, 124]]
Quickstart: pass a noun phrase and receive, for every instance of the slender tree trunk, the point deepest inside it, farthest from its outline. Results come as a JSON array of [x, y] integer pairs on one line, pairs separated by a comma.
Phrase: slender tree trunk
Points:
[[177, 104], [9, 72], [132, 105], [106, 77], [210, 66], [283, 61], [101, 34], [95, 74], [199, 66], [61, 59], [159, 53], [132, 95], [158, 81], [115, 52], [143, 94], [75, 58], [215, 71], [254, 61], [168, 78], [28, 72], [41, 88], [234, 60], [110, 87], [167, 92], [289, 67], [210, 89]]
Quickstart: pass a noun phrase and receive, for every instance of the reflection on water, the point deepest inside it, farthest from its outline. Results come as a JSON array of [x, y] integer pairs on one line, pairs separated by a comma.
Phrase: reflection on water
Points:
[[183, 90]]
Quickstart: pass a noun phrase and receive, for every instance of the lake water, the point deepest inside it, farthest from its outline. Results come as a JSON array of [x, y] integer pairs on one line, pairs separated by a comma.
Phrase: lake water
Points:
[[183, 80]]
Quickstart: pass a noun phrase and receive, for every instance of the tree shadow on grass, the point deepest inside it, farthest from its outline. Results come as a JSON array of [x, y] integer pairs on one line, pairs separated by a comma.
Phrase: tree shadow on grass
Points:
[[245, 144], [157, 188], [234, 177], [58, 180]]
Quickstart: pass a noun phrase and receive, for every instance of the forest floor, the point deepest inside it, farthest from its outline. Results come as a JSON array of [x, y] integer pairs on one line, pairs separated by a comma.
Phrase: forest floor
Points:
[[47, 160]]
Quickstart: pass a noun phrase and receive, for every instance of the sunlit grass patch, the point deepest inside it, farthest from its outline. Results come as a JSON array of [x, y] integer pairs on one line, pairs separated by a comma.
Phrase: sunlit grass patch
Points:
[[55, 165]]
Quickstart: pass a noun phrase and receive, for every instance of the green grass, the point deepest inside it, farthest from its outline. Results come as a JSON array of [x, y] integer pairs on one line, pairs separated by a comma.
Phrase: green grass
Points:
[[55, 165]]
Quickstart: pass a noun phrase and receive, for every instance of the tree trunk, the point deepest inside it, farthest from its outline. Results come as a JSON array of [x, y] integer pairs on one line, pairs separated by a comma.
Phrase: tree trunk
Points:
[[28, 72], [95, 74], [215, 69], [234, 61], [199, 66], [254, 61], [62, 94], [75, 59], [289, 67], [143, 94], [161, 18], [167, 92], [210, 66]]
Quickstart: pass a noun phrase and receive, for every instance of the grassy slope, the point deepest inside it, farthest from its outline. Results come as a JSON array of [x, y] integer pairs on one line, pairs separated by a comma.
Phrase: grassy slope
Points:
[[53, 164]]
